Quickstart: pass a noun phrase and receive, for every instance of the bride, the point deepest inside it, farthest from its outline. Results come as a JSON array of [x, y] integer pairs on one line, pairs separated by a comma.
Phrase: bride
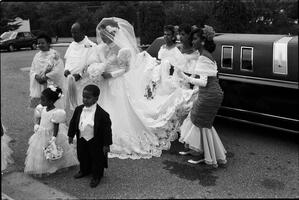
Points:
[[141, 128], [115, 55]]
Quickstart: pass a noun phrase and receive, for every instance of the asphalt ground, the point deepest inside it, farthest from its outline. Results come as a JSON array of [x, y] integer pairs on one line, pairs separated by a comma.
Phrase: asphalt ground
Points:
[[262, 163]]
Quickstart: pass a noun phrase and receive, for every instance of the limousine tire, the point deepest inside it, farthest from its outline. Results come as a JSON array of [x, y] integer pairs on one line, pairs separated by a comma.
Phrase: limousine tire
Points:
[[11, 48], [33, 46]]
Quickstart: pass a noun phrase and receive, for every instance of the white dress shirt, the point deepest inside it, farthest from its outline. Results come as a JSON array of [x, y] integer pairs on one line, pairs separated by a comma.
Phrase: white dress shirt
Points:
[[86, 123], [76, 55]]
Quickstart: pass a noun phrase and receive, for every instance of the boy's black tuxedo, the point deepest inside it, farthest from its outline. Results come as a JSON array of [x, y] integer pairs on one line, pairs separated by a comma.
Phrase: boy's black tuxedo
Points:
[[90, 153]]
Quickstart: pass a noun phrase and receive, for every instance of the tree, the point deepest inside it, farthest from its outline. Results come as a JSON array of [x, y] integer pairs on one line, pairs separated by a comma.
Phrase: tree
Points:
[[5, 26], [122, 9], [232, 16], [152, 22], [5, 21], [189, 12], [274, 17]]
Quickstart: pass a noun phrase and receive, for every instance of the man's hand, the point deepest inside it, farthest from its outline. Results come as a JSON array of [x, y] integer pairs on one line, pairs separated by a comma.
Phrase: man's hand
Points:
[[106, 75], [40, 79], [70, 140], [106, 149], [77, 77], [66, 73]]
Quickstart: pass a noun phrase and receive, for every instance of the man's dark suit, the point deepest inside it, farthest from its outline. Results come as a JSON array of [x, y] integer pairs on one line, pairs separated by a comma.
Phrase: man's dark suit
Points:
[[90, 153]]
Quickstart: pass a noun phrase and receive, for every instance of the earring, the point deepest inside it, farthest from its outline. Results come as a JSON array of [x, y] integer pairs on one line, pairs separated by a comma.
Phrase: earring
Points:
[[202, 43]]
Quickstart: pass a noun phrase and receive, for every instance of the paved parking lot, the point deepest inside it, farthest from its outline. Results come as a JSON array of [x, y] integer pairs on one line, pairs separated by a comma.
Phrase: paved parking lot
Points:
[[262, 163]]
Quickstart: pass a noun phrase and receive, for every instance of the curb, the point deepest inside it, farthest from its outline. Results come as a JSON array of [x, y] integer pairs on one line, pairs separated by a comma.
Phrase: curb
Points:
[[20, 186], [60, 45], [5, 197]]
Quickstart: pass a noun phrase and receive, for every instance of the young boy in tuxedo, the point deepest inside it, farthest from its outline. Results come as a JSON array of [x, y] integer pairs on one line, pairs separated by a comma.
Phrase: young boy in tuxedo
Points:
[[92, 127]]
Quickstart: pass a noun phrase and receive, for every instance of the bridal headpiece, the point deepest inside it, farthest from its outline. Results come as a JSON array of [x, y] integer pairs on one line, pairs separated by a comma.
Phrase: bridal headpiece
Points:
[[208, 32], [54, 89], [111, 29]]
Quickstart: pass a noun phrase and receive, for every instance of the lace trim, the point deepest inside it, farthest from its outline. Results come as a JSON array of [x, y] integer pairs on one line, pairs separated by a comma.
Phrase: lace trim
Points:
[[171, 120], [148, 149]]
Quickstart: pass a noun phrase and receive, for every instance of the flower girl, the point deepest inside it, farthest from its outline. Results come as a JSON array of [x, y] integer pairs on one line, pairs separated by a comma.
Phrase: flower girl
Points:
[[49, 127], [5, 150]]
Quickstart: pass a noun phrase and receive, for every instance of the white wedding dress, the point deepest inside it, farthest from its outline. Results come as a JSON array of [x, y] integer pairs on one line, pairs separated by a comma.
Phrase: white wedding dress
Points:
[[141, 127], [163, 109], [130, 137]]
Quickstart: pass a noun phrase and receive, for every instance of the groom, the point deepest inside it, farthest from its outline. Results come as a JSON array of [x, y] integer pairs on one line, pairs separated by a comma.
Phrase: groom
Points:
[[92, 127]]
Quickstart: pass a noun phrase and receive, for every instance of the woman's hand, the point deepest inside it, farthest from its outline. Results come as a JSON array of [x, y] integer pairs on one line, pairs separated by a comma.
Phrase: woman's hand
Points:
[[106, 75], [48, 68], [77, 77], [66, 73], [40, 79]]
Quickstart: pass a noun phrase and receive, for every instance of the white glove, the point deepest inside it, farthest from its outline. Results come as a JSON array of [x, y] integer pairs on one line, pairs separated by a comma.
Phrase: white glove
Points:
[[36, 126]]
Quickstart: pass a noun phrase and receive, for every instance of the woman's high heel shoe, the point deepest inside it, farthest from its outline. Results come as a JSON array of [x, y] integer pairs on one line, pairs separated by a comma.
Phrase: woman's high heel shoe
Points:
[[195, 161]]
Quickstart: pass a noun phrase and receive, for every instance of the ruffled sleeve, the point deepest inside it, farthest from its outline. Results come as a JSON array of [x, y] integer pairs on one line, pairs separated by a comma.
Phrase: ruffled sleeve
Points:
[[38, 111], [206, 67], [177, 59], [59, 116], [124, 57]]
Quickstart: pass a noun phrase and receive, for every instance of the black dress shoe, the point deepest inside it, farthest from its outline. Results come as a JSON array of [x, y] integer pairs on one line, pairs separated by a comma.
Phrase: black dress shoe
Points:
[[94, 182], [79, 175]]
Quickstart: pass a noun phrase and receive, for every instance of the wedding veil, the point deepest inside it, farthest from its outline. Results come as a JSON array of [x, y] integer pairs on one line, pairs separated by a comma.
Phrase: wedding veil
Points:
[[118, 31]]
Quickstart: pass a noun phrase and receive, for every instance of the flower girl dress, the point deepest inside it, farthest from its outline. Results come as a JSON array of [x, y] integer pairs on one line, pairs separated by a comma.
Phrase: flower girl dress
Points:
[[5, 150], [35, 162]]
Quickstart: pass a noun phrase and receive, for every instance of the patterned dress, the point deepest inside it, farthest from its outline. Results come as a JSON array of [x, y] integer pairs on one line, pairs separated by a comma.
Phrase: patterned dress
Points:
[[40, 62]]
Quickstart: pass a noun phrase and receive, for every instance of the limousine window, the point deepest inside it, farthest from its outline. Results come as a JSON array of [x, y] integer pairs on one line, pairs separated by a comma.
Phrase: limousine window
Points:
[[227, 57], [247, 58]]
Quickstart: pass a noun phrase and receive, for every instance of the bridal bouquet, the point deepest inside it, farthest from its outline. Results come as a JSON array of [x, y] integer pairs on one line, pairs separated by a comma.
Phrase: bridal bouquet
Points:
[[95, 71]]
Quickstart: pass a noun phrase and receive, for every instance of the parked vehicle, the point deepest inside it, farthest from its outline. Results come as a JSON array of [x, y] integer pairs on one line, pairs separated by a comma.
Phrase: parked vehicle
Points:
[[259, 76], [13, 40]]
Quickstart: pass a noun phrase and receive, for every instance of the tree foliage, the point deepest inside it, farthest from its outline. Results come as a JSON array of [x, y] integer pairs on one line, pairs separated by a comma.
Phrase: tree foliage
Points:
[[149, 17], [152, 21]]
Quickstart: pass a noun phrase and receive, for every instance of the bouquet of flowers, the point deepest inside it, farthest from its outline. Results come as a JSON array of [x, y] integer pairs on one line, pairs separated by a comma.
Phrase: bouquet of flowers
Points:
[[95, 71], [150, 90], [52, 151]]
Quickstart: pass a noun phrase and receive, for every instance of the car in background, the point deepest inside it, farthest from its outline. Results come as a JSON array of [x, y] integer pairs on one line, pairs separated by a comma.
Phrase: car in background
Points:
[[259, 76], [13, 40]]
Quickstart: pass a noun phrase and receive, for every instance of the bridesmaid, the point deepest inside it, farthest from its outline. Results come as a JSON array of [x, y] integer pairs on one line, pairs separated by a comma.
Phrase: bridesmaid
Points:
[[46, 69], [197, 131]]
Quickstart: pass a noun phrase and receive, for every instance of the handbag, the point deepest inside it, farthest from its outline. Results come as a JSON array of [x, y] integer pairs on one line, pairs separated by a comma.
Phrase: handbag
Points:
[[53, 151]]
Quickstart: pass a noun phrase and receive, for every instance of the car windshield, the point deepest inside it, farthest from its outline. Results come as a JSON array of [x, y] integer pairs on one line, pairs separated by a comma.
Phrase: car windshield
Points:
[[8, 35]]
